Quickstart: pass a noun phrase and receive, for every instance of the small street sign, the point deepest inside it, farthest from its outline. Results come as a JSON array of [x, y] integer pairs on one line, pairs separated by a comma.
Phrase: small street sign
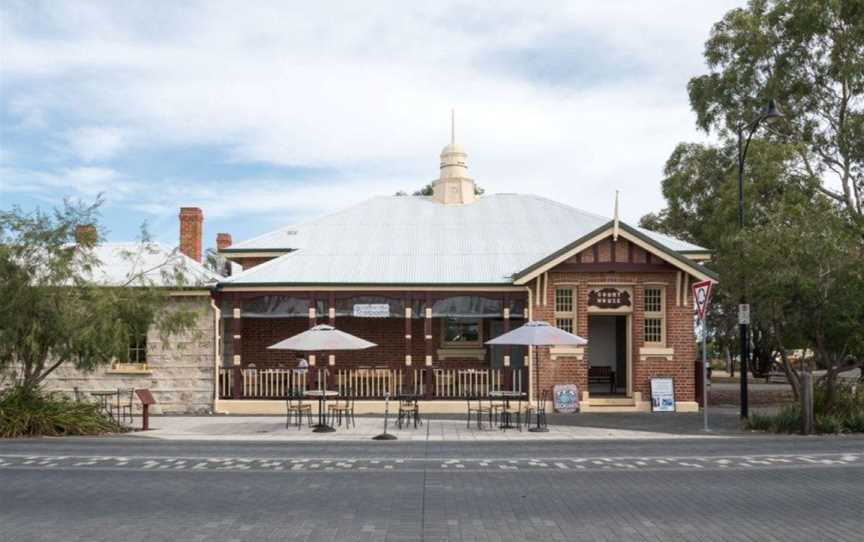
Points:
[[744, 314], [702, 295]]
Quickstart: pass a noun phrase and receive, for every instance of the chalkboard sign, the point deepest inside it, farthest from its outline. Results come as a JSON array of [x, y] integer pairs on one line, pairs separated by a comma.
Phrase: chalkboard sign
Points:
[[662, 395], [565, 398]]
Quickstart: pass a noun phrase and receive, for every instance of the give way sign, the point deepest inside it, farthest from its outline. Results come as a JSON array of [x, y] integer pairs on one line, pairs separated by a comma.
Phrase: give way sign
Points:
[[702, 295]]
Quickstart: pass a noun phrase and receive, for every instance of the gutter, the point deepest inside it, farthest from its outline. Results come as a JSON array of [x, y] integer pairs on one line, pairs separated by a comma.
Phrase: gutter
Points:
[[217, 341]]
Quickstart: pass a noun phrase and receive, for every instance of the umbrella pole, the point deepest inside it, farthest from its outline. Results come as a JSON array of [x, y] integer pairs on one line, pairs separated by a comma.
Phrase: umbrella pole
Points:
[[385, 435], [538, 428]]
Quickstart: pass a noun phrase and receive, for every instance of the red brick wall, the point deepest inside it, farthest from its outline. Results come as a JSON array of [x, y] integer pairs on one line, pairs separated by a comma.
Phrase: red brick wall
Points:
[[191, 231], [249, 263], [679, 332], [387, 333]]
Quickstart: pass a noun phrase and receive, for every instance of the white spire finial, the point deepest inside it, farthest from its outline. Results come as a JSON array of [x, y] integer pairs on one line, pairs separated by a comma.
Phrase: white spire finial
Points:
[[453, 186], [452, 126], [615, 226]]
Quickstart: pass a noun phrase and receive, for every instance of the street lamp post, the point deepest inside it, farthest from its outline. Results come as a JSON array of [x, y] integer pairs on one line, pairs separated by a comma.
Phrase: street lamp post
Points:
[[769, 114]]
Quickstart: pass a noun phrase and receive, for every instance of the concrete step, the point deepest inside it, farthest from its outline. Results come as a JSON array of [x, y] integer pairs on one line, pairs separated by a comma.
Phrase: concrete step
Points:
[[611, 401]]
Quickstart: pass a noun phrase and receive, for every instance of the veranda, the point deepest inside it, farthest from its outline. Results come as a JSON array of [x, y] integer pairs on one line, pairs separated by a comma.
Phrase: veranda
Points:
[[430, 344]]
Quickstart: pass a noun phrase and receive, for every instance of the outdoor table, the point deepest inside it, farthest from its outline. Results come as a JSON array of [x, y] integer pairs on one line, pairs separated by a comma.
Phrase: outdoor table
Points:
[[322, 396], [506, 420], [105, 400]]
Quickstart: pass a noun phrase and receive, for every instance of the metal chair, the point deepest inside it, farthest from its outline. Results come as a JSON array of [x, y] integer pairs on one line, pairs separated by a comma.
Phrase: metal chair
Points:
[[296, 406], [124, 410], [346, 409], [537, 409], [508, 411], [497, 406], [409, 409], [479, 410]]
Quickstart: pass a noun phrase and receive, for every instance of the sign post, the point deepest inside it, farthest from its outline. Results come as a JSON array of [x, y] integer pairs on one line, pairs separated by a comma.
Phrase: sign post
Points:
[[702, 296]]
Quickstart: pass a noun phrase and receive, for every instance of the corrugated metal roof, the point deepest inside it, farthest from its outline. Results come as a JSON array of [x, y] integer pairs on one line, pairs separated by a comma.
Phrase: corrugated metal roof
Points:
[[150, 264], [414, 240]]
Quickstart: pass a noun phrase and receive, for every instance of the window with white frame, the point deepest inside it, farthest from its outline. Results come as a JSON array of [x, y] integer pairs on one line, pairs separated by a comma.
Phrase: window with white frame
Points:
[[655, 315], [463, 332], [138, 349], [565, 308], [136, 355]]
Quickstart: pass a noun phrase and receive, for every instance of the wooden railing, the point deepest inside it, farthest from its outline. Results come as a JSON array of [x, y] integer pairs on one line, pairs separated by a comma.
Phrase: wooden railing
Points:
[[373, 384], [377, 383], [458, 383], [262, 383]]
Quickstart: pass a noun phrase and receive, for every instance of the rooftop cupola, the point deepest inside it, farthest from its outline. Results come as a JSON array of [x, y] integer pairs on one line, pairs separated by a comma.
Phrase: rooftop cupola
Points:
[[453, 186]]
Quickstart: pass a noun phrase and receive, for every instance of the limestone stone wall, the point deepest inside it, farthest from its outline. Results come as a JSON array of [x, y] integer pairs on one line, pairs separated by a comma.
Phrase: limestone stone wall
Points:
[[179, 373]]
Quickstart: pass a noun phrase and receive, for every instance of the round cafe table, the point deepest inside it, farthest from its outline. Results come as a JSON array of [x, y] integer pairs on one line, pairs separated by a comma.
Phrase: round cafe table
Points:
[[506, 418], [322, 396]]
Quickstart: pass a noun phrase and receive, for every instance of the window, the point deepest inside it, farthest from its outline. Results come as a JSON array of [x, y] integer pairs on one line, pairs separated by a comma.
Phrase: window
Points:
[[565, 309], [136, 357], [655, 315], [462, 331], [138, 349]]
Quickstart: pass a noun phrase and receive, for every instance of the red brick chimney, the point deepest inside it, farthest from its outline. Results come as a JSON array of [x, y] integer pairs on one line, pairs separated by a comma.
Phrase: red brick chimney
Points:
[[85, 234], [223, 241], [191, 230]]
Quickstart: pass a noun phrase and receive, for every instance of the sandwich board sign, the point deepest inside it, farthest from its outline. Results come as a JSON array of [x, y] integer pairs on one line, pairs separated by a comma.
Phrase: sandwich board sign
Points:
[[566, 398], [702, 296], [662, 395]]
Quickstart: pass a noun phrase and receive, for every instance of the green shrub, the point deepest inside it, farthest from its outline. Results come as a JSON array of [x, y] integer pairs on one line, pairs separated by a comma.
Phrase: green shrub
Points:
[[760, 422], [845, 415], [855, 423], [786, 420], [26, 412], [829, 423]]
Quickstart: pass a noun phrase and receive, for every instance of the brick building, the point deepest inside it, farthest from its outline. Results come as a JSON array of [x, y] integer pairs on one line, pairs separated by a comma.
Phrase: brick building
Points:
[[431, 278]]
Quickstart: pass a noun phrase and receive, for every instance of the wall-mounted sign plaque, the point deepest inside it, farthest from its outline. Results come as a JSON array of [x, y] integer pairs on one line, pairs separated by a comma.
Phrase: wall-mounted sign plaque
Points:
[[372, 310], [609, 298]]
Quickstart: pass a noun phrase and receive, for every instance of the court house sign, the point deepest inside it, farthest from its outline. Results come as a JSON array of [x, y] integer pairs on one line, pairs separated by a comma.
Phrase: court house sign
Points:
[[610, 298]]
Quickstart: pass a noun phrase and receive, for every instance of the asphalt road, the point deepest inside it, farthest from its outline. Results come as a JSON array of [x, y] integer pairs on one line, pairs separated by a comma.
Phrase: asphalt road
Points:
[[743, 488]]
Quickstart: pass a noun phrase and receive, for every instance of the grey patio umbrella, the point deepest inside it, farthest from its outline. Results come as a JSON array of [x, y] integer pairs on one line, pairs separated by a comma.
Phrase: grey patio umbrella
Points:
[[538, 333], [322, 337]]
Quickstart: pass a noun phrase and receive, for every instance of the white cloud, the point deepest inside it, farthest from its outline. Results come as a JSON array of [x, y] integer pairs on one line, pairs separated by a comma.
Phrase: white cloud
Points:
[[365, 89], [94, 143], [88, 182]]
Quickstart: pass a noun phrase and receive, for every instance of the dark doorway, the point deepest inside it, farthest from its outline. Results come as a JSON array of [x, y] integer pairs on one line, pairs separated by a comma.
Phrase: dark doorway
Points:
[[607, 355]]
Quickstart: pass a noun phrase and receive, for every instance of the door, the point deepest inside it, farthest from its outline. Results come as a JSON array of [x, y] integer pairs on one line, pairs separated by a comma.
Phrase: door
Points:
[[608, 357]]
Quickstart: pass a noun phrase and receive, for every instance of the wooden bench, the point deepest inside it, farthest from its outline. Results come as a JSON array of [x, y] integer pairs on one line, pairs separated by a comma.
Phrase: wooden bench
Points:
[[602, 375]]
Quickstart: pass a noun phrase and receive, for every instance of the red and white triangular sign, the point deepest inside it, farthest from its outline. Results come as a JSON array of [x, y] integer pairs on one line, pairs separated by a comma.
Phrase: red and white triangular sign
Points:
[[702, 295]]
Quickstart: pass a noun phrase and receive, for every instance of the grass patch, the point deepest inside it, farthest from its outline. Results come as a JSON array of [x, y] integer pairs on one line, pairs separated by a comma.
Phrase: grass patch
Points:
[[845, 415], [33, 413]]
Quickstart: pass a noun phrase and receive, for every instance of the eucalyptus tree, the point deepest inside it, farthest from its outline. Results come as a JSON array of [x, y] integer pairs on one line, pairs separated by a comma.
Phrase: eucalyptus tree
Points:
[[807, 55], [52, 309]]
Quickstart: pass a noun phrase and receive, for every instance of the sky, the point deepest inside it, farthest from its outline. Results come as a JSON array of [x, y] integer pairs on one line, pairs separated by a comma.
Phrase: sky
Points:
[[265, 114]]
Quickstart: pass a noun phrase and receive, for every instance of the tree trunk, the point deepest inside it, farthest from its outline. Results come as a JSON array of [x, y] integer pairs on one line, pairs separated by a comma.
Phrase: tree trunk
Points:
[[791, 373], [730, 363]]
